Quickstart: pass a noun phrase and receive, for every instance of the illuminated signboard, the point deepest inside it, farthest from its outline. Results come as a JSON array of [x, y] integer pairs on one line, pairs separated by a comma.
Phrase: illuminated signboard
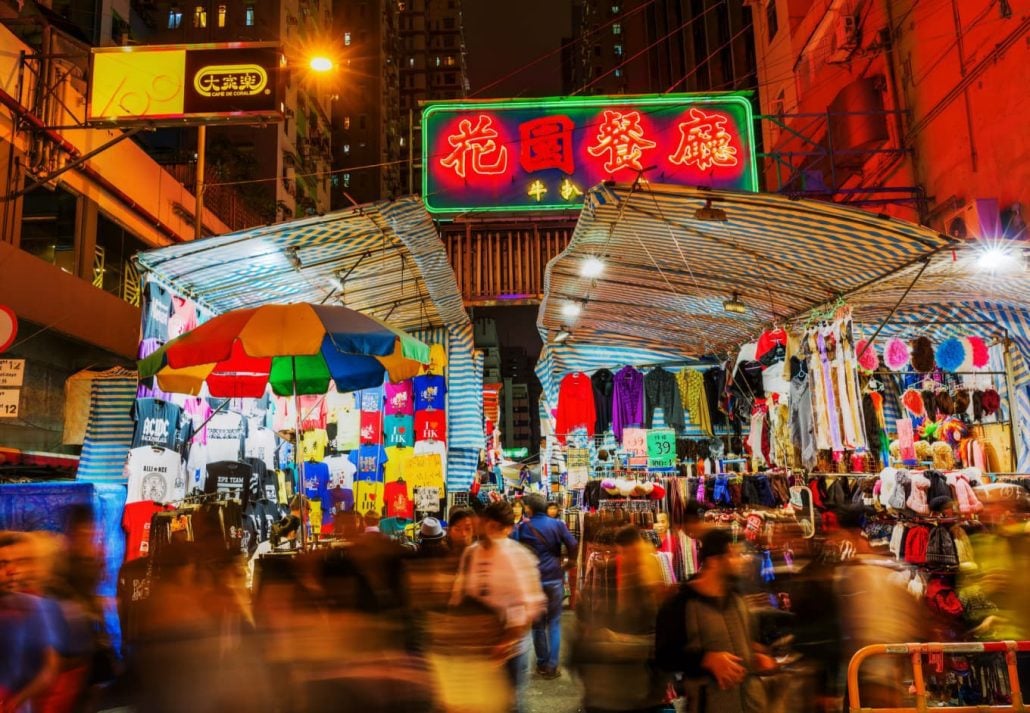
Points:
[[176, 84], [515, 154]]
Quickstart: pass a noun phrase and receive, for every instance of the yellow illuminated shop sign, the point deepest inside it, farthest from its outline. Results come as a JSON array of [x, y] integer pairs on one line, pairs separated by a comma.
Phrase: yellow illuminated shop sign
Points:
[[183, 83]]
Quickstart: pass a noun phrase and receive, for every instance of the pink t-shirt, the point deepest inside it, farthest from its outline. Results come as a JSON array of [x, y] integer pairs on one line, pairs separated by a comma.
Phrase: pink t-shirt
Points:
[[400, 399]]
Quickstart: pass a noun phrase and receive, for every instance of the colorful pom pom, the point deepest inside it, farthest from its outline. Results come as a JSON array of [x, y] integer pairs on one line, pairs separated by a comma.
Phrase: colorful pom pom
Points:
[[981, 355], [913, 401], [895, 356], [867, 357], [950, 354]]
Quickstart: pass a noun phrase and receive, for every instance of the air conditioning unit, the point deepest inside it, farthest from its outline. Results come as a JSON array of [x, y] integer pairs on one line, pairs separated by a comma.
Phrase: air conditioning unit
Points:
[[845, 39], [974, 219]]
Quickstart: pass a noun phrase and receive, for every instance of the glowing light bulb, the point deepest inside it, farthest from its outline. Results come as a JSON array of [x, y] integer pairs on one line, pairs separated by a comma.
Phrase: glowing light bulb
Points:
[[321, 64], [571, 309], [591, 267]]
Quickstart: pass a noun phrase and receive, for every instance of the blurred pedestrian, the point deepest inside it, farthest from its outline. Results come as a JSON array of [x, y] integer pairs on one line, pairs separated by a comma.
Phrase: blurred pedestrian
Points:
[[704, 633], [553, 511], [502, 574], [461, 530], [518, 511], [29, 660]]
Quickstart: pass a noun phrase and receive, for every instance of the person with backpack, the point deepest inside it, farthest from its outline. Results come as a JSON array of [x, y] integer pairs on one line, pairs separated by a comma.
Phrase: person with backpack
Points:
[[546, 537], [704, 633]]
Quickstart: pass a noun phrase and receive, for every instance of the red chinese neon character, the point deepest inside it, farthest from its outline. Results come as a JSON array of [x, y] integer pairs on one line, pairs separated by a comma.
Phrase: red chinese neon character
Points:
[[474, 146], [704, 142], [546, 143], [623, 138]]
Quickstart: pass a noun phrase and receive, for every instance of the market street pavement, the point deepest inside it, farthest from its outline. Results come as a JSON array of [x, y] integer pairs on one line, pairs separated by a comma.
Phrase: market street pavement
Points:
[[560, 695]]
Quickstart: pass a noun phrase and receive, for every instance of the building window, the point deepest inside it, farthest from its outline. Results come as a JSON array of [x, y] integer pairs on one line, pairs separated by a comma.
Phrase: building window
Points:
[[221, 15], [618, 72], [346, 39], [617, 28], [174, 18], [771, 19], [346, 180], [450, 61], [346, 149], [248, 16], [618, 50], [346, 122], [200, 16], [411, 61], [615, 9], [437, 61]]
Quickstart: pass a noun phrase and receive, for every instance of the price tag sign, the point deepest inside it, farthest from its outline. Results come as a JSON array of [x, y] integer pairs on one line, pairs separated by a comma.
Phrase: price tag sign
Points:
[[427, 499], [661, 448], [12, 372], [579, 468], [9, 402]]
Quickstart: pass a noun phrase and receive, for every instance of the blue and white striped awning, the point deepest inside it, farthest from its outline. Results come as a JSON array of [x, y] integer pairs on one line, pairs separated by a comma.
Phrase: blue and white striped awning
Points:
[[668, 273]]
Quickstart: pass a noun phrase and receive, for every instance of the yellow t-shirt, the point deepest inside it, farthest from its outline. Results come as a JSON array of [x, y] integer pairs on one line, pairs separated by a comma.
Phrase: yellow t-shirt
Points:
[[424, 471], [395, 467], [437, 359], [313, 444], [368, 497]]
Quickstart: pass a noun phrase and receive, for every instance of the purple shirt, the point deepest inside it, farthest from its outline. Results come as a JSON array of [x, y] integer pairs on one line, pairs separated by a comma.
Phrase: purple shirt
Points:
[[628, 400]]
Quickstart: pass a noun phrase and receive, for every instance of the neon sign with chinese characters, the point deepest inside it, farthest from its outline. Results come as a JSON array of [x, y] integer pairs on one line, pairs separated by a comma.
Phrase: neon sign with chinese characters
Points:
[[515, 154]]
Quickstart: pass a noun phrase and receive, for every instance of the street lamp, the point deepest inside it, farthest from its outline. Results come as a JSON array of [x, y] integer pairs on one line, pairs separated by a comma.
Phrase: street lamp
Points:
[[321, 63]]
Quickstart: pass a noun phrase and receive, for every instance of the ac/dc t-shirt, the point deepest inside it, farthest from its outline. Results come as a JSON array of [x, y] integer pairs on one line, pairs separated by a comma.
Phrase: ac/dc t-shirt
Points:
[[399, 430], [400, 398], [230, 477], [155, 473], [157, 309], [225, 437], [157, 424], [430, 392], [136, 522], [371, 427], [369, 461], [398, 500], [431, 426]]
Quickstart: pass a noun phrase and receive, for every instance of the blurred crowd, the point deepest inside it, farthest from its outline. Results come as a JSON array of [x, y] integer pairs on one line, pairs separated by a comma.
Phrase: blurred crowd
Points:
[[468, 617]]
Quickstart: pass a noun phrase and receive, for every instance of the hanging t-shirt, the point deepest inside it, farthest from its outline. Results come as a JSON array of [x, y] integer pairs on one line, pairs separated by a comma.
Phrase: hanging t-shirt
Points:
[[400, 399], [183, 319], [371, 427], [368, 497], [260, 444], [157, 310], [341, 471], [316, 482], [430, 392], [155, 473], [136, 522], [157, 424], [232, 478], [313, 413], [399, 430], [371, 399], [265, 484], [424, 471], [437, 448], [437, 359], [226, 432], [284, 482], [198, 411], [431, 426], [313, 445], [398, 500], [370, 462], [397, 460], [344, 421], [341, 500]]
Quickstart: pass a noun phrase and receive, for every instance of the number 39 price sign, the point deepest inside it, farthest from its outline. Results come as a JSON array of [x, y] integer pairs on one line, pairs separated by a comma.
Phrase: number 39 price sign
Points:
[[661, 448]]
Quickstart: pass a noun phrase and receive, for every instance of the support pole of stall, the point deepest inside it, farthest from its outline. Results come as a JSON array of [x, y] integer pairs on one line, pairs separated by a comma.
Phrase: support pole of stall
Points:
[[298, 464], [926, 263], [1010, 388], [198, 187]]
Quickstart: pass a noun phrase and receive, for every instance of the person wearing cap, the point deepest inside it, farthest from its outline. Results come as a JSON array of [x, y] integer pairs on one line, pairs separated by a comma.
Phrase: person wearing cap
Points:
[[501, 574], [432, 542], [704, 633], [546, 537]]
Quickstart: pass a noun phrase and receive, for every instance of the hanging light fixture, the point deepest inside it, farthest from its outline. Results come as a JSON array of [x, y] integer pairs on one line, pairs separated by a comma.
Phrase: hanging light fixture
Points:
[[710, 214], [293, 257], [591, 267], [561, 336], [571, 309], [734, 305]]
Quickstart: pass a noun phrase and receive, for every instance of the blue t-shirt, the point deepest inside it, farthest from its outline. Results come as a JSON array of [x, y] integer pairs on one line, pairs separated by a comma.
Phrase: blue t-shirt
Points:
[[27, 632], [430, 392], [399, 430], [369, 460], [316, 482], [545, 536], [157, 424], [370, 399]]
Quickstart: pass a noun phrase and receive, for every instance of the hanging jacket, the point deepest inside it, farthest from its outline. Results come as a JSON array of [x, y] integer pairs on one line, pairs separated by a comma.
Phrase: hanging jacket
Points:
[[661, 391], [627, 401], [603, 382], [575, 405]]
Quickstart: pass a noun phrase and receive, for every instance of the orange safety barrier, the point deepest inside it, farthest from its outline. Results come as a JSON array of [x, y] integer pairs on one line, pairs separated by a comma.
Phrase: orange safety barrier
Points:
[[917, 652]]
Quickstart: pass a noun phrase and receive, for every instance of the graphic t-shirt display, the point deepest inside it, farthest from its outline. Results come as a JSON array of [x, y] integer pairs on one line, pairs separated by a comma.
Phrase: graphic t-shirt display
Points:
[[198, 411], [183, 319], [232, 478], [437, 448], [371, 427], [341, 500], [316, 483], [370, 461], [437, 359], [226, 432], [397, 460], [313, 445], [136, 523], [430, 392], [368, 497], [400, 399], [155, 473], [398, 500], [344, 421], [371, 399], [431, 426], [313, 412], [424, 471], [157, 310], [341, 471], [399, 430], [260, 444], [157, 424]]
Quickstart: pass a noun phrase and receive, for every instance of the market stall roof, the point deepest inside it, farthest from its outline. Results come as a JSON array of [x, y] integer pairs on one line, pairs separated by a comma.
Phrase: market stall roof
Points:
[[386, 255], [670, 264]]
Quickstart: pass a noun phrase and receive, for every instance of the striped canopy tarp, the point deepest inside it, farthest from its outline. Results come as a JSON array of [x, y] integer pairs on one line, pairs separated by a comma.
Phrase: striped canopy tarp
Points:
[[668, 272], [392, 265]]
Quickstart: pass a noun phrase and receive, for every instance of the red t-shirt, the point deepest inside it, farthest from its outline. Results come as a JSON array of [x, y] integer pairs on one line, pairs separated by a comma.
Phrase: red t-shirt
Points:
[[371, 427], [398, 503], [431, 426], [136, 523]]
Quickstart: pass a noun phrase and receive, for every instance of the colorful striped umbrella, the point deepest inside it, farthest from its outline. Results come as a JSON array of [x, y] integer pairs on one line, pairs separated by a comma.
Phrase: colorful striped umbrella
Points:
[[297, 348]]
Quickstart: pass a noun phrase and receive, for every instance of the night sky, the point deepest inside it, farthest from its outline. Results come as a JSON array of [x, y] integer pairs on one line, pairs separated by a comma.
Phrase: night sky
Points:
[[502, 36]]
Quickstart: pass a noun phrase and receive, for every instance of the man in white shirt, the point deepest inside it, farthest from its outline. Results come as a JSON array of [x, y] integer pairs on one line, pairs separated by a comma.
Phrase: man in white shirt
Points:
[[502, 574]]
